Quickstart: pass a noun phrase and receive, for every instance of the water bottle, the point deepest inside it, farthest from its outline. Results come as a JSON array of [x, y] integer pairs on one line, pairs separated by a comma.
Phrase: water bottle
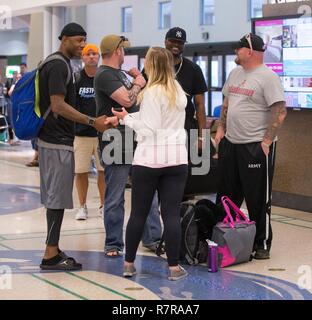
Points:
[[212, 256]]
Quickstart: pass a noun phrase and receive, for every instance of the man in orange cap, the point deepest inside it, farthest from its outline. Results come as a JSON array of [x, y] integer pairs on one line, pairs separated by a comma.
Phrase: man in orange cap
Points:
[[86, 141]]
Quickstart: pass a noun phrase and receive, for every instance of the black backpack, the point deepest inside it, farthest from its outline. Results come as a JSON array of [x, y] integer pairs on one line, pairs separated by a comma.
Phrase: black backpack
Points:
[[197, 222]]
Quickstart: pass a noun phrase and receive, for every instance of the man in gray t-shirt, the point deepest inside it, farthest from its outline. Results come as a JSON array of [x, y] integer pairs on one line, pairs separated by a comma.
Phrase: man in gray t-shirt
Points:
[[252, 112]]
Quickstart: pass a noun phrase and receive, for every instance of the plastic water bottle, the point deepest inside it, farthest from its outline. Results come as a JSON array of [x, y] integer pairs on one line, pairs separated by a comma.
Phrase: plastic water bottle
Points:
[[212, 256]]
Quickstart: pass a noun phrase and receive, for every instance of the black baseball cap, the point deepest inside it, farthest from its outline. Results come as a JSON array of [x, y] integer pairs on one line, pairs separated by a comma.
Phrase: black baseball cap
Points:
[[256, 42], [71, 30], [176, 34]]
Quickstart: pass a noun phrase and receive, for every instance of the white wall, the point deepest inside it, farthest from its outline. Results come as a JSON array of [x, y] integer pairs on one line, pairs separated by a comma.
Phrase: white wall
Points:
[[13, 43], [35, 43], [231, 21]]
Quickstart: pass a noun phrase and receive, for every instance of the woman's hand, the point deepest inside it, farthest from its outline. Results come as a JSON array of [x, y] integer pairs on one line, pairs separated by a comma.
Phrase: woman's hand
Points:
[[121, 114], [113, 121], [104, 123]]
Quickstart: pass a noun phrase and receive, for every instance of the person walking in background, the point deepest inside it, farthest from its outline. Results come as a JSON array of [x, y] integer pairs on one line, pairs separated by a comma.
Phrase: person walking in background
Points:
[[23, 68]]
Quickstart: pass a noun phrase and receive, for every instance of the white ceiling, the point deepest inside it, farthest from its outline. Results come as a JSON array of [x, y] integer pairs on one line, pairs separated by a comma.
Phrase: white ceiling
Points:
[[24, 7]]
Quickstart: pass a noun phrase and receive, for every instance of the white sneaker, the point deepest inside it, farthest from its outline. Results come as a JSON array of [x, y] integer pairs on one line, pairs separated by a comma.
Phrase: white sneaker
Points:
[[82, 213], [101, 208]]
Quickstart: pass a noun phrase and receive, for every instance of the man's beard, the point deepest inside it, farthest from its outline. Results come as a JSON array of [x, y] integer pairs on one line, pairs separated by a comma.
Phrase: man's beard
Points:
[[237, 61]]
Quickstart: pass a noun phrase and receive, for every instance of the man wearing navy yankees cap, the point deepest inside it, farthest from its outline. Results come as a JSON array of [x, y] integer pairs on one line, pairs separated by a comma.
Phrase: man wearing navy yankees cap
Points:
[[191, 79]]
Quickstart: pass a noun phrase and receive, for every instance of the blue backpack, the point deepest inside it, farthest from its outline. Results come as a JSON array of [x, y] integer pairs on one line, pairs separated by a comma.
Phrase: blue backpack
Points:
[[26, 115]]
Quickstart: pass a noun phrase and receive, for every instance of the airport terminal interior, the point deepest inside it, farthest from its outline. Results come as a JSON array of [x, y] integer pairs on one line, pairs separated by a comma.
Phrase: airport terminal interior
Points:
[[287, 275], [23, 233]]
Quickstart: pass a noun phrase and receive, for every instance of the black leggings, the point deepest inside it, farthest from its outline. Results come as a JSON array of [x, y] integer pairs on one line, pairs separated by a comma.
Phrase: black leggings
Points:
[[54, 224], [170, 184]]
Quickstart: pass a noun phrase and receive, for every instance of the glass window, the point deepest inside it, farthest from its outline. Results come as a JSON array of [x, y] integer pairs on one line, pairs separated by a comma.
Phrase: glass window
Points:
[[207, 12], [230, 64], [127, 19], [142, 61], [216, 71], [130, 61], [165, 14], [256, 8], [216, 103]]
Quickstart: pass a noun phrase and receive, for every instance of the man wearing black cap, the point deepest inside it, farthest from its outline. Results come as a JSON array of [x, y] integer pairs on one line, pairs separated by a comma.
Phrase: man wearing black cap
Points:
[[253, 110], [191, 78], [55, 141]]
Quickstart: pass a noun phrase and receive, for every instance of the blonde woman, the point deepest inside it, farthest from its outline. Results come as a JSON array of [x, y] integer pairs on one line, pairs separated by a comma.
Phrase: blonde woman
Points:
[[160, 160]]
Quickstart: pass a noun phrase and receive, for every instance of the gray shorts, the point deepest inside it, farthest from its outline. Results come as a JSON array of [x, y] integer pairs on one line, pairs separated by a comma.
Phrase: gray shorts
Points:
[[57, 169]]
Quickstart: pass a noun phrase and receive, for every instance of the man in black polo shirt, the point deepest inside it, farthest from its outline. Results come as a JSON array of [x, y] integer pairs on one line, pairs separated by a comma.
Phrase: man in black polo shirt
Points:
[[55, 142]]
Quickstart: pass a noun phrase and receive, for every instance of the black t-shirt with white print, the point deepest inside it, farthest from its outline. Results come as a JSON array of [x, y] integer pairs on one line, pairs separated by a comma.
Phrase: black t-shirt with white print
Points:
[[85, 103], [52, 81], [107, 81]]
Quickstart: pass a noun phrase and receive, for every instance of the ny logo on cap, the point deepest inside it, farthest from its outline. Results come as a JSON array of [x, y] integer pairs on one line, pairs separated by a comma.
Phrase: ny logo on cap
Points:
[[179, 34]]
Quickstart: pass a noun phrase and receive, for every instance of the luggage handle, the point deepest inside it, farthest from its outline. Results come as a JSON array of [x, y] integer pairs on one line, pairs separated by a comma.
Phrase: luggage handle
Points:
[[228, 203], [228, 215]]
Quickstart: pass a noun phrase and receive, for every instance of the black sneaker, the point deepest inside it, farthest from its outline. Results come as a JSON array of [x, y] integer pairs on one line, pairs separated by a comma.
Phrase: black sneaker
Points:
[[262, 254], [61, 262]]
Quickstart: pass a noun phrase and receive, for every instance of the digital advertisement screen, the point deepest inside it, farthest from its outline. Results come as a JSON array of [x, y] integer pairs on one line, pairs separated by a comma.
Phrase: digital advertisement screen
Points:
[[10, 70], [289, 54]]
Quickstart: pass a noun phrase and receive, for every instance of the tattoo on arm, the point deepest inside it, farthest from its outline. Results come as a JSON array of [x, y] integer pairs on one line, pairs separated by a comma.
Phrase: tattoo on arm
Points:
[[133, 93], [223, 116], [278, 115]]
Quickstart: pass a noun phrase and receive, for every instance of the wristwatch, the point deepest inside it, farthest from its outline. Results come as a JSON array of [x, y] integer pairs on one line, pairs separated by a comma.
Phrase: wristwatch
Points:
[[91, 122]]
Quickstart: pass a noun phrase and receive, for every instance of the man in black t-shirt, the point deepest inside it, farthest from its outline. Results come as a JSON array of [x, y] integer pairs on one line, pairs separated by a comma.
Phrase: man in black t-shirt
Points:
[[191, 79], [55, 142], [86, 141], [114, 90]]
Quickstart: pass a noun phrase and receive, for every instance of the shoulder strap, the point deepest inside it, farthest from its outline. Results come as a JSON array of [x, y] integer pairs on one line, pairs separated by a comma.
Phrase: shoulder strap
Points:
[[57, 56], [77, 76]]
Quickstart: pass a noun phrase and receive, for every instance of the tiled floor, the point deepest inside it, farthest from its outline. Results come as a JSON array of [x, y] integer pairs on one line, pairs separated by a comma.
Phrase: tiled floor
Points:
[[23, 232]]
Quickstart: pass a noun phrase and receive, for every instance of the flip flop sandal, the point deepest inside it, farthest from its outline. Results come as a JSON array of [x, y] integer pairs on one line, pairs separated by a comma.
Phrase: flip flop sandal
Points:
[[66, 264], [63, 255], [114, 253], [34, 163]]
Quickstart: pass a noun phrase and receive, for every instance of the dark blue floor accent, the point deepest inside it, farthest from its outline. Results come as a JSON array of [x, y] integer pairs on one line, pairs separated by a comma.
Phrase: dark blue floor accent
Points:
[[17, 199], [199, 285]]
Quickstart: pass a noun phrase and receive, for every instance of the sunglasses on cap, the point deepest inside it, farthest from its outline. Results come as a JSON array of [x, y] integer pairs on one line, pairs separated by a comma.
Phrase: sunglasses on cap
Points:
[[122, 39], [248, 38]]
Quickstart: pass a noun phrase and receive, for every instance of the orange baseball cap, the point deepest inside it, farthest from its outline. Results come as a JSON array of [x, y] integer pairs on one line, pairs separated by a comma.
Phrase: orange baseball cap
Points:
[[89, 47]]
